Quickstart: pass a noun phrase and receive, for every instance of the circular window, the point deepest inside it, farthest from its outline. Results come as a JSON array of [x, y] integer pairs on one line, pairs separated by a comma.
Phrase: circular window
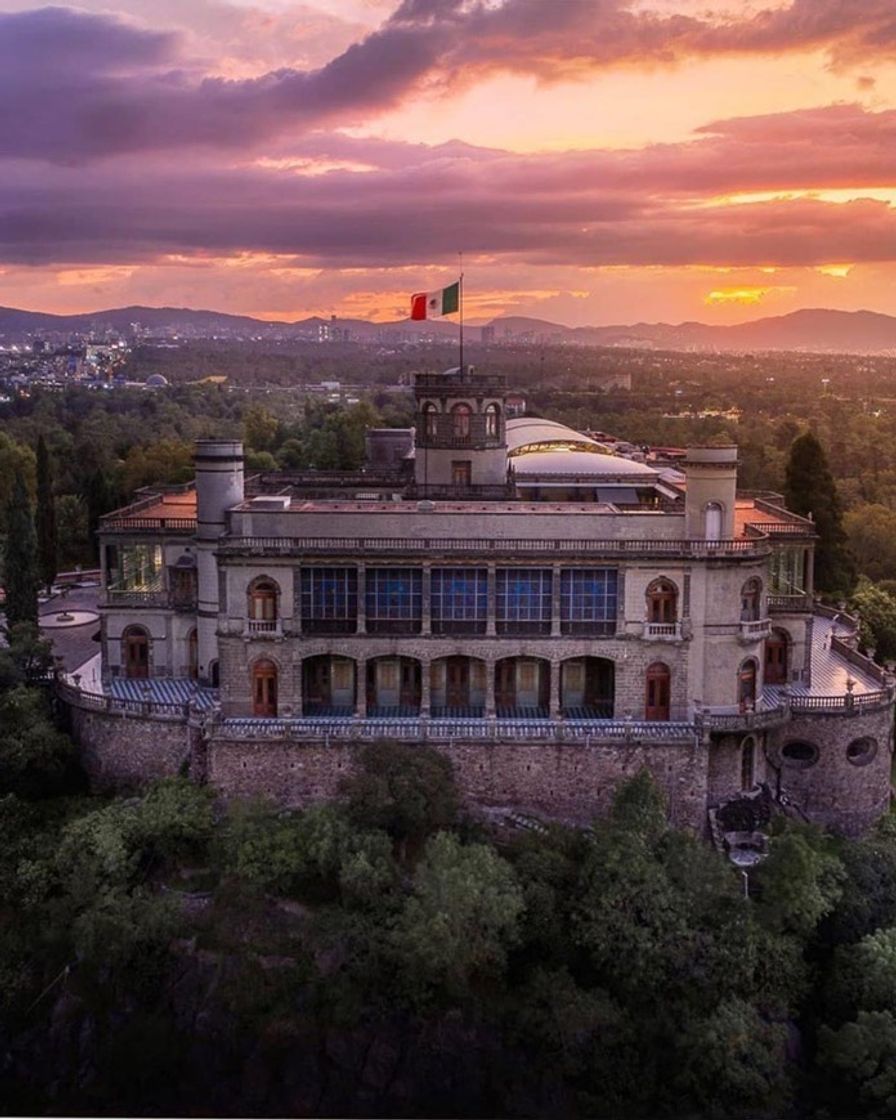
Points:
[[799, 755], [861, 751]]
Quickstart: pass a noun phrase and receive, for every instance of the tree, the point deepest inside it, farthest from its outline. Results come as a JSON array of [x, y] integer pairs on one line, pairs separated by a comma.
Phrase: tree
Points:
[[461, 918], [800, 882], [100, 496], [877, 614], [407, 790], [871, 529], [809, 488], [20, 558], [45, 516], [859, 1064]]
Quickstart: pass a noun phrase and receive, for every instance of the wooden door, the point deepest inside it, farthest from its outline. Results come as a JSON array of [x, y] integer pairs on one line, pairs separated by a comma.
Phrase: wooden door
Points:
[[457, 682], [776, 669], [657, 703], [136, 655], [264, 680], [505, 684], [317, 685]]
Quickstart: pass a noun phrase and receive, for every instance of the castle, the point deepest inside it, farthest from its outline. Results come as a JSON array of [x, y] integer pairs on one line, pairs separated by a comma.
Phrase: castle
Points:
[[550, 615]]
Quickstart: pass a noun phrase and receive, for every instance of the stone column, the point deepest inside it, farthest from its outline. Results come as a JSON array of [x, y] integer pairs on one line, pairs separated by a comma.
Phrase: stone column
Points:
[[490, 602], [555, 602], [362, 599], [361, 687], [426, 601], [490, 688], [554, 703], [425, 686]]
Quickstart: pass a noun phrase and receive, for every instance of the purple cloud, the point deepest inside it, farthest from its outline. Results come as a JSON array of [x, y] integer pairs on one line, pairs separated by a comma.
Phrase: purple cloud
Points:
[[87, 85]]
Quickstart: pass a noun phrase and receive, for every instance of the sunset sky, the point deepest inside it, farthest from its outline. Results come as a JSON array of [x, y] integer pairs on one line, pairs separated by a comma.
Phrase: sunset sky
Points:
[[597, 161]]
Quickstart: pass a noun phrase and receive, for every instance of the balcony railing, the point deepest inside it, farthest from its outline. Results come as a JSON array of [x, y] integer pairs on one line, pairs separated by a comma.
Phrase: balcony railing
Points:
[[754, 630], [128, 524], [264, 628], [157, 597], [662, 631], [298, 546], [785, 604]]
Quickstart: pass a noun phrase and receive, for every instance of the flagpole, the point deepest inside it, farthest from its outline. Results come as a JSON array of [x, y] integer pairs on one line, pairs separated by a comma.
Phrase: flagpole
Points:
[[461, 302]]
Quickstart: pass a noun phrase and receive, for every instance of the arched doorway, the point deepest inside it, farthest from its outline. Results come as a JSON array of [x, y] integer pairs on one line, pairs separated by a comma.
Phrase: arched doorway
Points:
[[777, 667], [262, 605], [393, 686], [214, 674], [135, 641], [461, 415], [522, 687], [458, 687], [328, 686], [712, 521], [587, 688], [264, 688], [658, 692], [746, 686]]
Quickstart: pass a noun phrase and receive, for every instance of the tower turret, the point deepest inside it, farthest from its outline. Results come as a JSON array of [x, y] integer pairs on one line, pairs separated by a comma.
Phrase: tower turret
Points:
[[219, 486], [712, 486], [460, 423]]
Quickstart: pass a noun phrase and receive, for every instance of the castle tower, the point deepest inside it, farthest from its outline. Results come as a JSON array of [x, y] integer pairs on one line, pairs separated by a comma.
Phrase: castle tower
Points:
[[460, 426], [219, 485], [712, 486]]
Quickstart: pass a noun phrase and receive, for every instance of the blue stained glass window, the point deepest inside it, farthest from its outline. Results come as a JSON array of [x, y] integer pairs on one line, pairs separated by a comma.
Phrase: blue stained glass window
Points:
[[329, 599], [588, 600], [394, 600], [459, 600], [523, 600]]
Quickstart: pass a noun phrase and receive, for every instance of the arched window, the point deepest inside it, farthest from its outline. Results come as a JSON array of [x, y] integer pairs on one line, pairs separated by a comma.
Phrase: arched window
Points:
[[748, 763], [712, 521], [430, 419], [658, 692], [264, 688], [193, 654], [135, 643], [750, 598], [491, 420], [461, 414], [214, 674], [662, 601], [746, 686], [262, 606]]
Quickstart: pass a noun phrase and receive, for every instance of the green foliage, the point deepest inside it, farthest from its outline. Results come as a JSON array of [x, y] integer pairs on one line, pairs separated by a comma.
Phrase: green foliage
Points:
[[45, 517], [877, 614], [408, 790], [733, 1064], [801, 880], [462, 916], [16, 462], [20, 569], [121, 929], [810, 489], [176, 820], [316, 853], [71, 525], [36, 760], [864, 975], [859, 1064], [26, 659], [871, 528]]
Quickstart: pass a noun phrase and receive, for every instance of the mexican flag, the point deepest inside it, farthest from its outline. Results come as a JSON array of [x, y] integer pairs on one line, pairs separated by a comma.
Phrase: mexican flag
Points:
[[433, 305]]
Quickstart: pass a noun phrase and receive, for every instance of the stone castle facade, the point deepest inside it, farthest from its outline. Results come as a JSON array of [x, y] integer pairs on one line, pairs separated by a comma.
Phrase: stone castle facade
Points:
[[550, 615]]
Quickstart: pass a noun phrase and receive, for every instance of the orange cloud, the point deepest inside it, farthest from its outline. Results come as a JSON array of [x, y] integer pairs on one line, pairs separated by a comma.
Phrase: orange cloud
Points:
[[721, 297]]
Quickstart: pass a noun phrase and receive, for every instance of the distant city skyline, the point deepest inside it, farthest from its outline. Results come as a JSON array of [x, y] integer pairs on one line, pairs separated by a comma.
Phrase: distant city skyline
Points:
[[598, 161]]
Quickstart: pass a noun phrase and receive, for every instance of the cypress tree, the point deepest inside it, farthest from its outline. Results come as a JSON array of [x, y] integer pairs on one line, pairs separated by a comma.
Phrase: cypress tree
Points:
[[45, 516], [99, 498], [20, 569], [809, 488]]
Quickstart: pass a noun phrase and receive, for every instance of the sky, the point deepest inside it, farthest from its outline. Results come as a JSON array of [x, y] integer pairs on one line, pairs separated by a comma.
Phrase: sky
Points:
[[595, 161]]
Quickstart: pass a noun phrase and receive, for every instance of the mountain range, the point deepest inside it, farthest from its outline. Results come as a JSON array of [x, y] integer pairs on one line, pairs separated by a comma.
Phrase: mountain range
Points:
[[816, 329]]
